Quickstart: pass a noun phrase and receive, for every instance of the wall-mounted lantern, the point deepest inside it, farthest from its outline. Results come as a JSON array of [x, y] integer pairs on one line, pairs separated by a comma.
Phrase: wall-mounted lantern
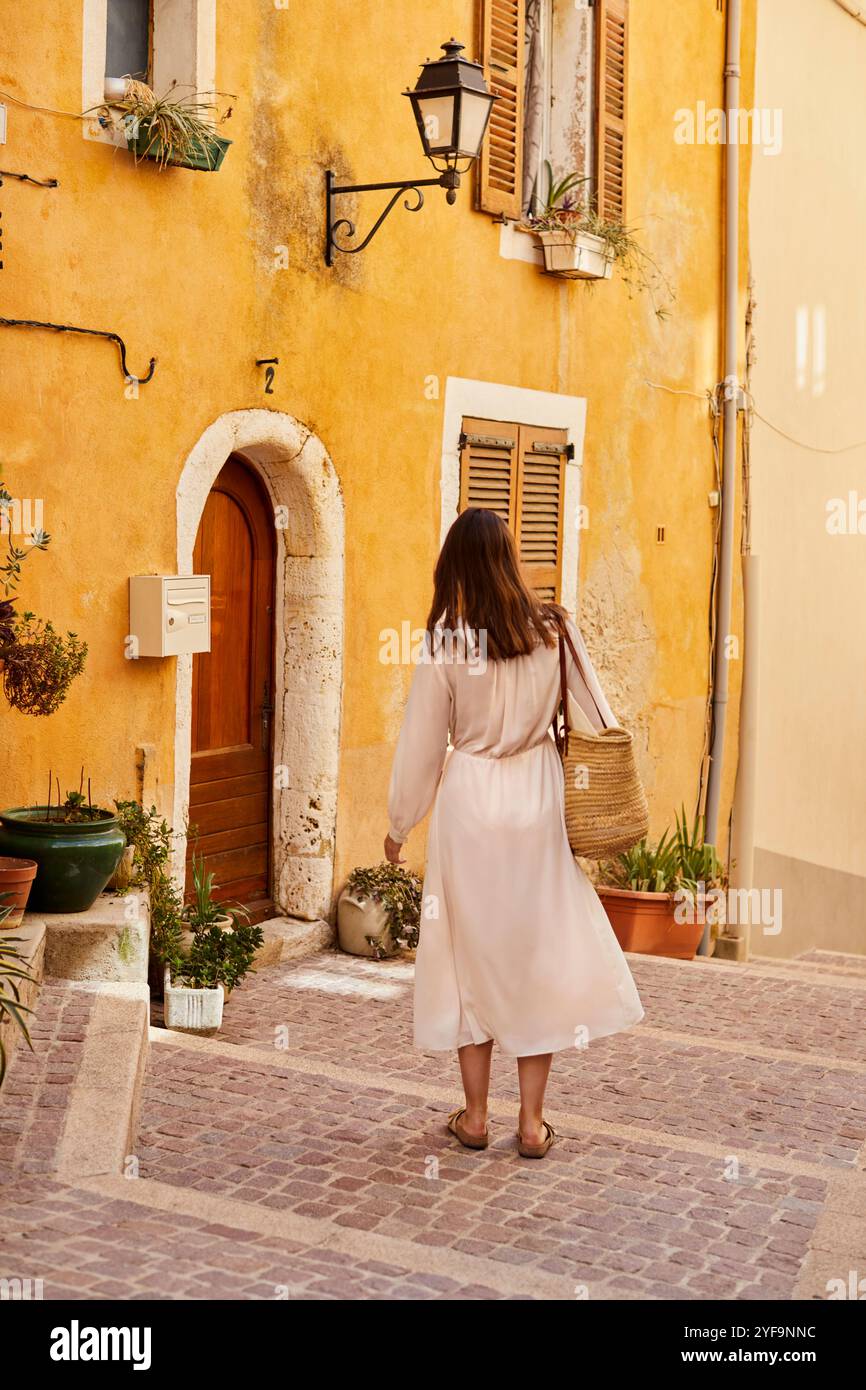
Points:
[[452, 106]]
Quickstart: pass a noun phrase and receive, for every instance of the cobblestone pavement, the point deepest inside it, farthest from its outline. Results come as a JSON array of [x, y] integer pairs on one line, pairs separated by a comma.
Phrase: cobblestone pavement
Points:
[[716, 1151], [37, 1088]]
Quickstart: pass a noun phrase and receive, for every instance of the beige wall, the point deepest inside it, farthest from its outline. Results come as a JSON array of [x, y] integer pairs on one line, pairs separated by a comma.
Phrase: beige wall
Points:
[[808, 230]]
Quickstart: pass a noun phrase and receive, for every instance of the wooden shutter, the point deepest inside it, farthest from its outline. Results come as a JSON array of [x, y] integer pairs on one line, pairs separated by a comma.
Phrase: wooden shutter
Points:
[[500, 169], [518, 471], [611, 106], [489, 466], [540, 507]]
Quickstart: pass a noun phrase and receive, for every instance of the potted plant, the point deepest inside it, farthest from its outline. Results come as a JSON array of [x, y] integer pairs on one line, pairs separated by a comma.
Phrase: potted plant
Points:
[[75, 844], [172, 129], [13, 973], [204, 911], [656, 899], [579, 244], [569, 249], [378, 911], [38, 663], [152, 840], [16, 880], [195, 987], [701, 896]]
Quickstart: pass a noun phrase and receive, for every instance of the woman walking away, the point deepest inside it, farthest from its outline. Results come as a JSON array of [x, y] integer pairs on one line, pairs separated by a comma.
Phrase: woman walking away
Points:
[[515, 946]]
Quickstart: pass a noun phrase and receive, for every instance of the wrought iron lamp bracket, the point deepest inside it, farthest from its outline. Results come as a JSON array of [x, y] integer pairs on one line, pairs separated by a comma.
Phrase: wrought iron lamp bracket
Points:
[[344, 228]]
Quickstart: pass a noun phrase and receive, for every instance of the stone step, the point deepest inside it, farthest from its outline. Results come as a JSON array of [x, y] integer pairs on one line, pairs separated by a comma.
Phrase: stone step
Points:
[[816, 963], [288, 938], [107, 942], [845, 962], [70, 1107]]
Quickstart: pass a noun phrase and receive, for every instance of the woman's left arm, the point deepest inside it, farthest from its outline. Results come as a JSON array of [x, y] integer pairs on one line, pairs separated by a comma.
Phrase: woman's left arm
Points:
[[420, 753]]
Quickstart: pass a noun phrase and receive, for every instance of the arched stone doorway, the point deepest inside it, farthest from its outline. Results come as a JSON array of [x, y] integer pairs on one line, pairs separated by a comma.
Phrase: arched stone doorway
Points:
[[308, 518]]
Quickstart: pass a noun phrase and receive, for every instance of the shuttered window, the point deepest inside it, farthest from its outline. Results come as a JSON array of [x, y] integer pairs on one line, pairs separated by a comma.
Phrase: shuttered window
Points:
[[518, 471], [500, 170], [611, 79]]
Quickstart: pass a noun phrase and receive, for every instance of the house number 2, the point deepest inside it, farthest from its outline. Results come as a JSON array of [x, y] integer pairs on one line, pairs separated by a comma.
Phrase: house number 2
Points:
[[270, 365]]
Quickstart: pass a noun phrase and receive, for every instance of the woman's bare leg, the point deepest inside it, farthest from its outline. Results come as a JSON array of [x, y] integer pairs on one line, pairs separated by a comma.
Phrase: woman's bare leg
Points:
[[475, 1070], [532, 1073]]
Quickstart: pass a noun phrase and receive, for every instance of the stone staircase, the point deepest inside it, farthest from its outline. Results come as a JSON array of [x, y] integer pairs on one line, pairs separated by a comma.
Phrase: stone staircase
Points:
[[817, 962], [90, 1031]]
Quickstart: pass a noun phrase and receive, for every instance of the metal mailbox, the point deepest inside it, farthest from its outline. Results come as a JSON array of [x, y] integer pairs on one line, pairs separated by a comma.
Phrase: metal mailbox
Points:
[[169, 615]]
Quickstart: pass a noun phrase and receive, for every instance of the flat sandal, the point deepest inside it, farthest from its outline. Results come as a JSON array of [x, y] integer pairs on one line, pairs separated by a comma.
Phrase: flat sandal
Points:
[[536, 1150], [469, 1141]]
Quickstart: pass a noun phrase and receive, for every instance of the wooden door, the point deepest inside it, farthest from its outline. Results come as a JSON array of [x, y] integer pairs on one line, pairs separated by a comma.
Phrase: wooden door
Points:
[[232, 692]]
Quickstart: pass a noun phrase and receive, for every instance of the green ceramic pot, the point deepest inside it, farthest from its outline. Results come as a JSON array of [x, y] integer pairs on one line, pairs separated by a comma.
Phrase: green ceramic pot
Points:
[[74, 861]]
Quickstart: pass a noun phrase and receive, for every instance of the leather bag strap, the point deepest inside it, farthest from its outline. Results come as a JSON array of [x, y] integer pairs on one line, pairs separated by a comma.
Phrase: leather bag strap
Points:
[[564, 637]]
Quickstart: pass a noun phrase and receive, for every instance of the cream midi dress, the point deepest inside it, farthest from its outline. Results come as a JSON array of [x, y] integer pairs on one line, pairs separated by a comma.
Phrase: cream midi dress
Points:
[[515, 944]]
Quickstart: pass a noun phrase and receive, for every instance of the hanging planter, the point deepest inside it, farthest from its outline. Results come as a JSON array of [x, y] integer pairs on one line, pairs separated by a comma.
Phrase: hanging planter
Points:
[[579, 243], [206, 153], [171, 131], [575, 255]]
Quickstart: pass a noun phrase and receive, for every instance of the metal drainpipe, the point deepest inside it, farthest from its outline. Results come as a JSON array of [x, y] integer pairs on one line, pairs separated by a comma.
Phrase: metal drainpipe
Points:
[[731, 409], [743, 830]]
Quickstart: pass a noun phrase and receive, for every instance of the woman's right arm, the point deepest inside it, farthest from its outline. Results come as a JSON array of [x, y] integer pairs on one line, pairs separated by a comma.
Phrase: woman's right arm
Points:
[[421, 749]]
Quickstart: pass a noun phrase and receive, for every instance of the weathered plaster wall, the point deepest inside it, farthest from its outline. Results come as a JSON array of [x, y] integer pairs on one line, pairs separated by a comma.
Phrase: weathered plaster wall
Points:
[[189, 267]]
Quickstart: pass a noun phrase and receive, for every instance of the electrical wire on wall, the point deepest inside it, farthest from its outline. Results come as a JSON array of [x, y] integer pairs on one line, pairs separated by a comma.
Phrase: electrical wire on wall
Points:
[[855, 11], [745, 518], [713, 401], [751, 357]]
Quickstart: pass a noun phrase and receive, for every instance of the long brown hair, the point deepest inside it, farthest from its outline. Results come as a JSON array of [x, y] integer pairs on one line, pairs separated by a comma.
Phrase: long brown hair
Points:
[[478, 582]]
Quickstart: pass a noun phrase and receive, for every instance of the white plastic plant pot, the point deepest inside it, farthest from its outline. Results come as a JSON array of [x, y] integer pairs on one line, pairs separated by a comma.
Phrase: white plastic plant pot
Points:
[[115, 88], [359, 919], [576, 255], [192, 1010]]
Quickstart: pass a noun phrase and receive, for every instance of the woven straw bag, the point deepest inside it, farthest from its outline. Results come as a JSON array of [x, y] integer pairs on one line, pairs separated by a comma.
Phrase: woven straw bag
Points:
[[606, 808]]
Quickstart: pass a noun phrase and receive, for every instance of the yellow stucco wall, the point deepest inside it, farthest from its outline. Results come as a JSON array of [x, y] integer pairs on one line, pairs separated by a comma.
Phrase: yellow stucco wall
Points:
[[182, 265]]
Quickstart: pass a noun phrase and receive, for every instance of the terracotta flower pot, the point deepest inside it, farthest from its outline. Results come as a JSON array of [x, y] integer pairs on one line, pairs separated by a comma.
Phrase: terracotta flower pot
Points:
[[645, 922], [16, 878]]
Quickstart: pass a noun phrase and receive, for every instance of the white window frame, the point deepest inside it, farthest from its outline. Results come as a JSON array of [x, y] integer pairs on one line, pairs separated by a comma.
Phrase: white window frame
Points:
[[184, 52], [491, 400]]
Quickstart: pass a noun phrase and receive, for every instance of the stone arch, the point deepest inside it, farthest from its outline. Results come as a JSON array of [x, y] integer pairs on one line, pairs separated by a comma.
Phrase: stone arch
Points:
[[308, 511]]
